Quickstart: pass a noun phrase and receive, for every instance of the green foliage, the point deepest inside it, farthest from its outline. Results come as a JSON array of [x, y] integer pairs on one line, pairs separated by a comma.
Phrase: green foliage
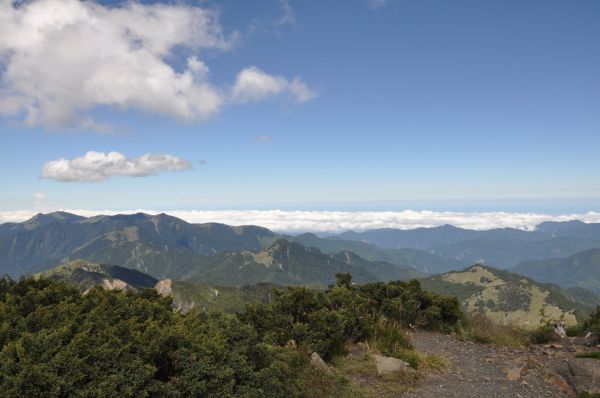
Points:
[[324, 321], [592, 323], [58, 342], [592, 355]]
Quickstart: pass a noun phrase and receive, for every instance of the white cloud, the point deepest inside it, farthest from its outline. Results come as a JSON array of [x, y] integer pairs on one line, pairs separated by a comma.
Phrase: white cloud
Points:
[[99, 166], [337, 221], [59, 59], [252, 84]]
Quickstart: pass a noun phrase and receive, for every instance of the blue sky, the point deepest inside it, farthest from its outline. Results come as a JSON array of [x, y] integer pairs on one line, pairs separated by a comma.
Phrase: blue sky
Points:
[[448, 105]]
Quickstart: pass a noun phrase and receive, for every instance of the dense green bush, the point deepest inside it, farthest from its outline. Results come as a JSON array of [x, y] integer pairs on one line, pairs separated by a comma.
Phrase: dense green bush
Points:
[[57, 342], [324, 321]]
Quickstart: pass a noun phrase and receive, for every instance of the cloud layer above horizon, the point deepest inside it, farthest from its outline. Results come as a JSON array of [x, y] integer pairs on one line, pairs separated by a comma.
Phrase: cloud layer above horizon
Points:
[[338, 221], [60, 59], [100, 166]]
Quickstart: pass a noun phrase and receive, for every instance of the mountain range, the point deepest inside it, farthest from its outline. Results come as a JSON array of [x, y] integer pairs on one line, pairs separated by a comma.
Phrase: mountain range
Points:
[[159, 245], [501, 247], [165, 247]]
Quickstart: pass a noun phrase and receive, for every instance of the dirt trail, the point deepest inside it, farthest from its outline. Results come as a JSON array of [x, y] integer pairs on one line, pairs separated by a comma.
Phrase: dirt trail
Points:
[[480, 370]]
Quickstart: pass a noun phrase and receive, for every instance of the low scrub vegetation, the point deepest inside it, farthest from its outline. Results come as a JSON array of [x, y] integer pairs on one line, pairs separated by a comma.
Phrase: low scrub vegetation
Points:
[[58, 342]]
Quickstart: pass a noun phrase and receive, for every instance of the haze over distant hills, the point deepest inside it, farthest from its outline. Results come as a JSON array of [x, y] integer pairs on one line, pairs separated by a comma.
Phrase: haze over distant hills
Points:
[[581, 269], [167, 247], [501, 247]]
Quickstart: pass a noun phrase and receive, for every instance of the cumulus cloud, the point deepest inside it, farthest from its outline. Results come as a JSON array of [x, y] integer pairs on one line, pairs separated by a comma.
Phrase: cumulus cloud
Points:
[[338, 221], [252, 84], [59, 59], [100, 166]]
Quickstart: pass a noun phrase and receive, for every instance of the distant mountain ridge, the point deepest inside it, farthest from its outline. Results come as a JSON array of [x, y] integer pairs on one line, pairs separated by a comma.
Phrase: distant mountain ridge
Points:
[[422, 261], [500, 247], [167, 247], [159, 245], [579, 270], [290, 263]]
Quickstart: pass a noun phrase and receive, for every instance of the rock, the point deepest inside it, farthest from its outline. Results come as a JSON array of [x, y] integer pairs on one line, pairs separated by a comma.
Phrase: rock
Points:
[[514, 370], [318, 363], [559, 330], [115, 284], [386, 365], [586, 374], [559, 382], [591, 339], [164, 287]]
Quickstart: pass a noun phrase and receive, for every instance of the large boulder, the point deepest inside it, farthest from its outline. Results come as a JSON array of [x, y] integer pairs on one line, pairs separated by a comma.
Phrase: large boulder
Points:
[[586, 375], [386, 365]]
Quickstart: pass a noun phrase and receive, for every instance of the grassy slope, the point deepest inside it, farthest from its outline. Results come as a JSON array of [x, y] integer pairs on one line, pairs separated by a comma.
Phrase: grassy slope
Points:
[[506, 297]]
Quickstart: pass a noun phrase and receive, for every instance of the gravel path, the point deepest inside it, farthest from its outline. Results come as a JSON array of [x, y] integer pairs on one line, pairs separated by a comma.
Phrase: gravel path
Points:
[[481, 370]]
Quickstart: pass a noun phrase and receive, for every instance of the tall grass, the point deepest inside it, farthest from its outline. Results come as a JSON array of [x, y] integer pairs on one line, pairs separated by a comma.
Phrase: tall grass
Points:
[[481, 329]]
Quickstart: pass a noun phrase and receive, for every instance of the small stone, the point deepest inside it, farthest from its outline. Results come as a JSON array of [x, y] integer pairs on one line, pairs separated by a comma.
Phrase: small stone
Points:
[[514, 371], [559, 382], [318, 363], [387, 365]]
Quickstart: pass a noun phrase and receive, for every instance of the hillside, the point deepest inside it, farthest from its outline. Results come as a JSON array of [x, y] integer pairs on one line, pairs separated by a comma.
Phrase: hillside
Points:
[[422, 261], [85, 274], [508, 298], [501, 247], [160, 245], [581, 270], [204, 297], [289, 263]]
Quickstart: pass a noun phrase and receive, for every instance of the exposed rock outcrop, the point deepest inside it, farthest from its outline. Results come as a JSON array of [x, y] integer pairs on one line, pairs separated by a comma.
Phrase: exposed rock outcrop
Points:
[[164, 287]]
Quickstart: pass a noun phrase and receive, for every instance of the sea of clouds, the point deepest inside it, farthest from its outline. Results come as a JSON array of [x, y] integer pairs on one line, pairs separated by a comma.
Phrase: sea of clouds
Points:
[[338, 221]]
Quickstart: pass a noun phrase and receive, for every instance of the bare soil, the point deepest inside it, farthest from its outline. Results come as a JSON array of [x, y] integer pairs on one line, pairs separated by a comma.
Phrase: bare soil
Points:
[[486, 370]]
